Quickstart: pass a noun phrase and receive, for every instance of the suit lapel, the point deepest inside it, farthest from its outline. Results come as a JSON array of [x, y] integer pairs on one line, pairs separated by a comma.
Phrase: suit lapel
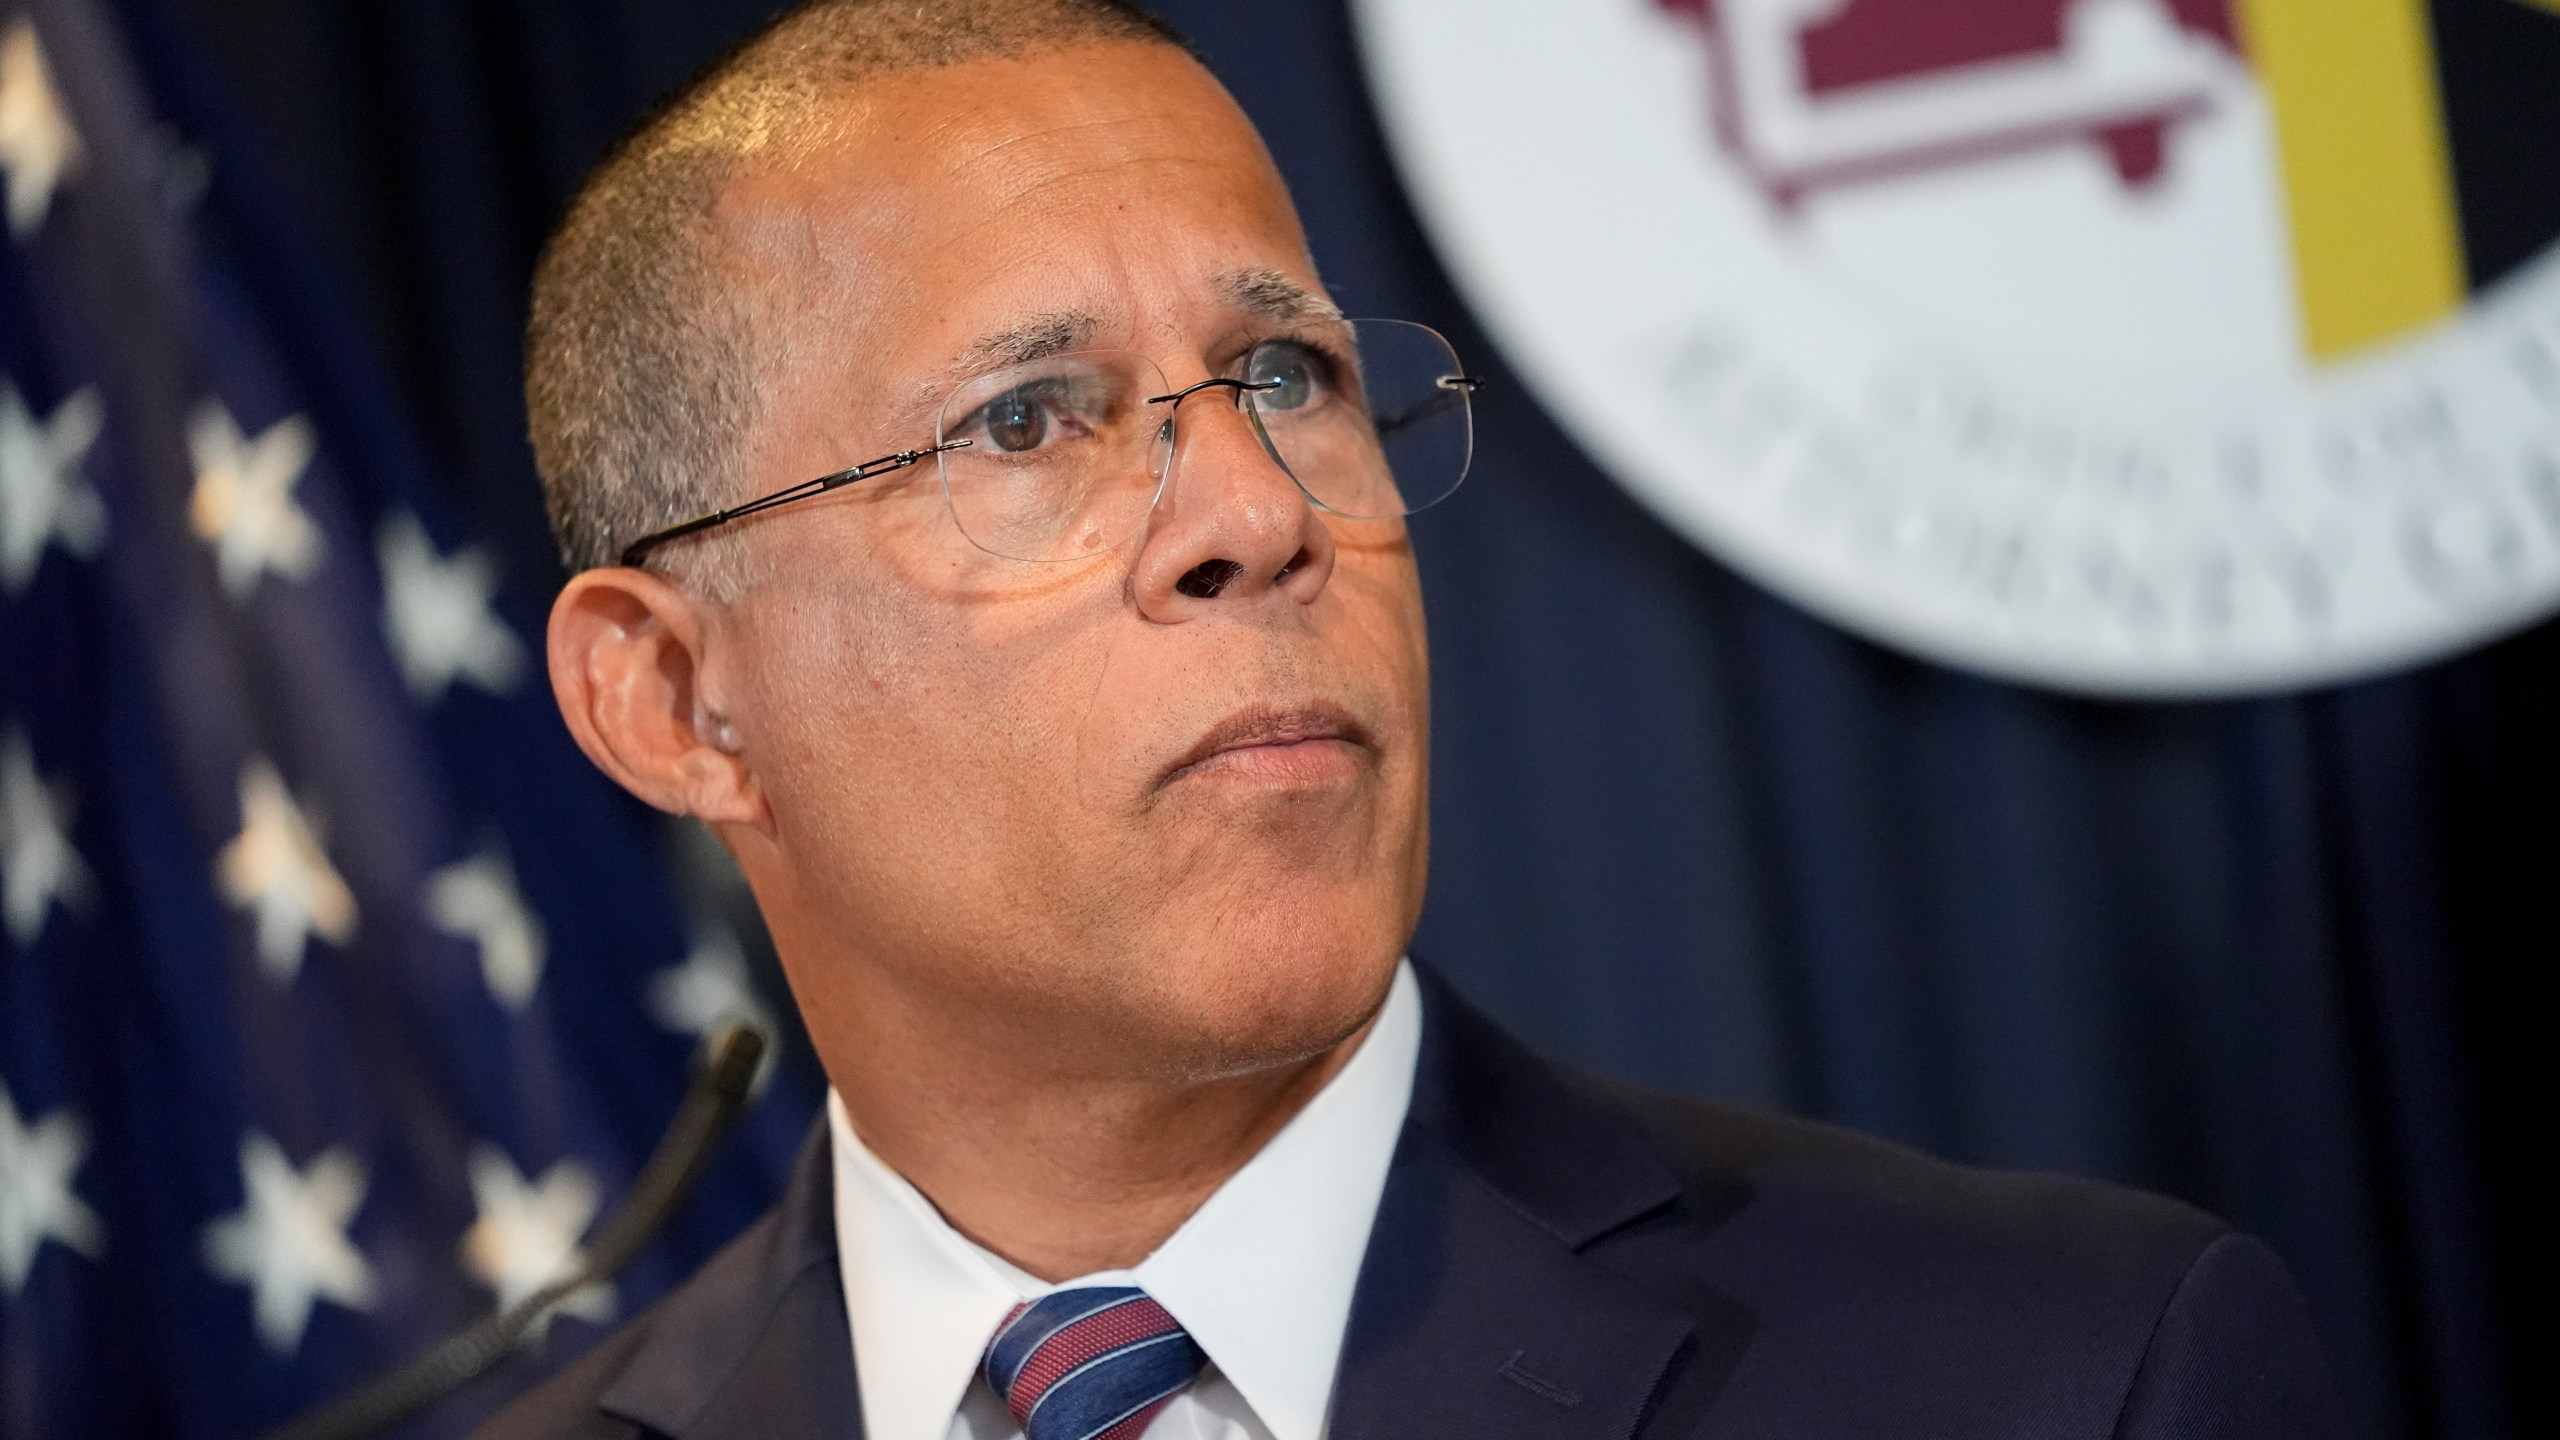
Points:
[[1478, 1314], [1474, 1321], [755, 1346]]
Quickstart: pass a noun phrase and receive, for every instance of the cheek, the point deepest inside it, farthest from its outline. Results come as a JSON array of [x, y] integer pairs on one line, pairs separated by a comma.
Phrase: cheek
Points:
[[838, 680], [953, 719], [1381, 629]]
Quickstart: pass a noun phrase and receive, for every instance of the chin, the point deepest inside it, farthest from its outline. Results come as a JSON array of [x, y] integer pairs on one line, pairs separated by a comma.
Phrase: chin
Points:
[[1273, 990]]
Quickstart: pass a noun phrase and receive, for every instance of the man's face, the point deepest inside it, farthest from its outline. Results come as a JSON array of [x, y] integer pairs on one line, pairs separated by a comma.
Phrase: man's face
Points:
[[1185, 832]]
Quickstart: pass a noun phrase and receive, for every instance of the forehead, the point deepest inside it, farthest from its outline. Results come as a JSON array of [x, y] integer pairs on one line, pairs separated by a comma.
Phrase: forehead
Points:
[[1084, 189]]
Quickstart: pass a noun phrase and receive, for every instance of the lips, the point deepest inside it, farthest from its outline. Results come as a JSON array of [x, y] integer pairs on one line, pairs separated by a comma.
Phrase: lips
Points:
[[1268, 729]]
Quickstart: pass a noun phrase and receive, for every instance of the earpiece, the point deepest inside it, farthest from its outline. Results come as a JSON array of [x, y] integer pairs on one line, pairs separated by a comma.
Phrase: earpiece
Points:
[[716, 731]]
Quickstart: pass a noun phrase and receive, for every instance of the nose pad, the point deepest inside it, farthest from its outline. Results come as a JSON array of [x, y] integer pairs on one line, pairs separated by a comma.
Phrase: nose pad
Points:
[[1241, 401], [1160, 467]]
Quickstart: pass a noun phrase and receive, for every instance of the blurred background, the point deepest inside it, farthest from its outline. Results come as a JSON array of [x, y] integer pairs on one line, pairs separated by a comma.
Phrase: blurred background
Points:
[[340, 997]]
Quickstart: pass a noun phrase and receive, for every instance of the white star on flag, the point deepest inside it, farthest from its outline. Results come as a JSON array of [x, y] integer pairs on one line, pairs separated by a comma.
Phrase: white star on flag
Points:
[[436, 610], [243, 503], [38, 147], [43, 496], [275, 869], [477, 900], [36, 1203], [712, 990], [38, 867], [527, 1234], [289, 1243]]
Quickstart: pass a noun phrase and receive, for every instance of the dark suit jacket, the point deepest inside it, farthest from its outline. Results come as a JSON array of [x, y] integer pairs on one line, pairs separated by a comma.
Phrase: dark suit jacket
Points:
[[1559, 1257]]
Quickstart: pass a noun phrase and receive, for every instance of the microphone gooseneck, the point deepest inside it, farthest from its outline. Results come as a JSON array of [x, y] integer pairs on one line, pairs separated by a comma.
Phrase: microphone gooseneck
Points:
[[711, 1102]]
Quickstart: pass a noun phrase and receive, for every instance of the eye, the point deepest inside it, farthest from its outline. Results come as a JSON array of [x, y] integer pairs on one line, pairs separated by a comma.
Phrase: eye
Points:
[[1041, 412], [1288, 375], [1014, 421]]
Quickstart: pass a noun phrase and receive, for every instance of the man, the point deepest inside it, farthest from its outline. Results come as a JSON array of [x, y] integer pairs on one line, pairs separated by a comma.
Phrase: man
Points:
[[1075, 750]]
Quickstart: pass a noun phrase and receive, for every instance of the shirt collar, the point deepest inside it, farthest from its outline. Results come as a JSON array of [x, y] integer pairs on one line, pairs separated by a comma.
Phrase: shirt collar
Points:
[[1261, 1274]]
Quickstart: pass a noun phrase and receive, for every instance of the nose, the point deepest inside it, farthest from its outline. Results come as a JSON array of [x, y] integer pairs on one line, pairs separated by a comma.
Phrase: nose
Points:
[[1232, 530]]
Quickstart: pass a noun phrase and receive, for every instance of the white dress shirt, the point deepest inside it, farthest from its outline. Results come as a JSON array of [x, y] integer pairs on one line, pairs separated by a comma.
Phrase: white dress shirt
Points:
[[1261, 1274]]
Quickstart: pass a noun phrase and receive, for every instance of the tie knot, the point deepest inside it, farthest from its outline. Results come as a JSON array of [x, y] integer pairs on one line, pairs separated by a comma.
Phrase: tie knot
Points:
[[1090, 1364]]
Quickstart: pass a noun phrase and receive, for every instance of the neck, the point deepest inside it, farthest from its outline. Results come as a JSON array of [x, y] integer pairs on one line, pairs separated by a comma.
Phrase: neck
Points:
[[1063, 1170]]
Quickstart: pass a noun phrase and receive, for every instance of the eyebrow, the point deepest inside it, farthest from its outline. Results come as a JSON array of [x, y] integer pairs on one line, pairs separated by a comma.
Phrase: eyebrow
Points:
[[1258, 291], [1038, 338], [1269, 295]]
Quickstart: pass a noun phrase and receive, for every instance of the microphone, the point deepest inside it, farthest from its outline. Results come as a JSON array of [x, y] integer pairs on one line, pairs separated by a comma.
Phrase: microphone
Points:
[[712, 1101]]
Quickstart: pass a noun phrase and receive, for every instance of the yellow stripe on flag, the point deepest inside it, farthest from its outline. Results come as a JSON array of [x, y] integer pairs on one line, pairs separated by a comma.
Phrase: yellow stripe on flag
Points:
[[2377, 242]]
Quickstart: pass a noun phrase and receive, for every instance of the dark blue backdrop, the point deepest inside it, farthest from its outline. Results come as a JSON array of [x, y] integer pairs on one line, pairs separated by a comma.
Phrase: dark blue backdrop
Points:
[[2282, 957]]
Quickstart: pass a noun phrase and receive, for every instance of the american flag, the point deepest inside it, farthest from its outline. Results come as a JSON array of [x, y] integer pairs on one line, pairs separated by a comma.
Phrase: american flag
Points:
[[340, 995]]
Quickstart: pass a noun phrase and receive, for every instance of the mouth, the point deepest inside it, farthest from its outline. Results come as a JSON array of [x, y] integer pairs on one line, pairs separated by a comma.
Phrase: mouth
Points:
[[1288, 745]]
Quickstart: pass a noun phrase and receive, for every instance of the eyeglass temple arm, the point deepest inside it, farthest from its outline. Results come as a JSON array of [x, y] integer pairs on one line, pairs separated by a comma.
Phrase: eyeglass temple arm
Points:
[[639, 549], [1453, 388]]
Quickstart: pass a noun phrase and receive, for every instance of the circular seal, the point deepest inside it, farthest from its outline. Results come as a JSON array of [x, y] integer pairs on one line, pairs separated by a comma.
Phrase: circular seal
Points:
[[2125, 346]]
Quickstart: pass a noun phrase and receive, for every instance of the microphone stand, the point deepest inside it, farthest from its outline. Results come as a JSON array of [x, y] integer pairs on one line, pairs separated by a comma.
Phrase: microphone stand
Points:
[[711, 1102]]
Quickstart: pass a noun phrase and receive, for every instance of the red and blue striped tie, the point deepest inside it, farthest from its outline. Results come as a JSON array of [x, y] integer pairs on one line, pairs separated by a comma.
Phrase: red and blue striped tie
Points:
[[1091, 1364]]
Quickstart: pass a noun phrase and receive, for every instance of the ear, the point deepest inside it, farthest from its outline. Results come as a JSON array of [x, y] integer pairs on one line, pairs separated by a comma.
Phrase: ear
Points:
[[630, 657]]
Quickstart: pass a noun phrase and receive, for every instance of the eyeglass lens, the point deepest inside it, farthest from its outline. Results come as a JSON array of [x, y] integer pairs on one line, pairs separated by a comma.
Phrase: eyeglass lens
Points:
[[1068, 455]]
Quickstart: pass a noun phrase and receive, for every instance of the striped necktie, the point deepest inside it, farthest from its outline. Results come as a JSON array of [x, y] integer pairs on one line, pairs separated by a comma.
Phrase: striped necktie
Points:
[[1090, 1364]]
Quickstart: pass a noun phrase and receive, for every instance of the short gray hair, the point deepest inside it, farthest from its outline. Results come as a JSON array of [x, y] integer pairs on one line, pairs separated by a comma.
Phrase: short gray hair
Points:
[[640, 366]]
